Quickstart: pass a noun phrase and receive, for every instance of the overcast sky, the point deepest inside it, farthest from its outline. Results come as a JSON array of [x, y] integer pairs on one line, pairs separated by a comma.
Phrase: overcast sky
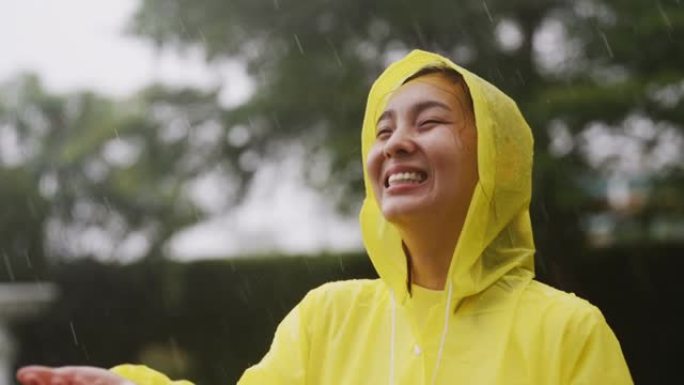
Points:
[[82, 44]]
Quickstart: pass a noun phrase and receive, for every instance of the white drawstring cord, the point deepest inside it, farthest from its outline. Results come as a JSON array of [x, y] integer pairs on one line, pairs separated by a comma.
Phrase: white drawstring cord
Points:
[[393, 332], [445, 329]]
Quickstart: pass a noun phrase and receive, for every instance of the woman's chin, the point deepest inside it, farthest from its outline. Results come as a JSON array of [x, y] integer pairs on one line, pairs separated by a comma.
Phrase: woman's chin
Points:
[[404, 212]]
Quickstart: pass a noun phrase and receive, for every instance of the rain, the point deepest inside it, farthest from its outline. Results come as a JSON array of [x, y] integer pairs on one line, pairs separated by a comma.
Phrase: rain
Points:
[[176, 176]]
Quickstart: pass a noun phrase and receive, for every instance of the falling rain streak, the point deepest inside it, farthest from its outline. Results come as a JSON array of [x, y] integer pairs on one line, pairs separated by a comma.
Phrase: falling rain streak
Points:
[[605, 43], [202, 36], [28, 260], [8, 266], [337, 55], [486, 9], [73, 332], [75, 202], [666, 18], [299, 44]]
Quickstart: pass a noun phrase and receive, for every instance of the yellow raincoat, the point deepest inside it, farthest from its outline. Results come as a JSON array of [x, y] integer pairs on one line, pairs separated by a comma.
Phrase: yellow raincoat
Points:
[[493, 323]]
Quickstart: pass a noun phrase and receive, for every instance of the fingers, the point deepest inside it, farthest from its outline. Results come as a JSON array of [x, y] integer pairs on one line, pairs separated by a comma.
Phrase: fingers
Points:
[[67, 375], [36, 375], [44, 375]]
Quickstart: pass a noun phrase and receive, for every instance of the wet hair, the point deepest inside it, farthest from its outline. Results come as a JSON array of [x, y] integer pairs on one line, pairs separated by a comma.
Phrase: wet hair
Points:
[[451, 75]]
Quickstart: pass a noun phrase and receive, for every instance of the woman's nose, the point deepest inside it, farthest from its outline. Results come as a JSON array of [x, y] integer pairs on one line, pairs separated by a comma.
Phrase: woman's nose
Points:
[[400, 143]]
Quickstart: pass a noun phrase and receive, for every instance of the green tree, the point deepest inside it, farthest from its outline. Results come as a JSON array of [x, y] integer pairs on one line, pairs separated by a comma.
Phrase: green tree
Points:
[[584, 73], [572, 66], [114, 172]]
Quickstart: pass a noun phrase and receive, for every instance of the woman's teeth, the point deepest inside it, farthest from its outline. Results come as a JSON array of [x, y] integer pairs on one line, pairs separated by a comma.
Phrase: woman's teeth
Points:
[[405, 177]]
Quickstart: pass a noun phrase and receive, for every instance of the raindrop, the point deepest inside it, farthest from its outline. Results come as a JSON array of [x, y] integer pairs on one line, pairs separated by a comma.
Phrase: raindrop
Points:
[[486, 9], [73, 332], [499, 73], [276, 121], [204, 38], [8, 266], [545, 212], [85, 352], [244, 291], [183, 26], [605, 42], [108, 204], [175, 352], [337, 55], [520, 77], [28, 259], [666, 19], [186, 122], [299, 44], [419, 33]]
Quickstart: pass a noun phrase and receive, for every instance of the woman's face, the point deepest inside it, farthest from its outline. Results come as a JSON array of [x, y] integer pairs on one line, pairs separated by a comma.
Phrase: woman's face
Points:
[[424, 159]]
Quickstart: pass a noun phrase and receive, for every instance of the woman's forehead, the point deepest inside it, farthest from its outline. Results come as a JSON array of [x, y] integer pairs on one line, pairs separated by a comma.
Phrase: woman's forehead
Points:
[[435, 87]]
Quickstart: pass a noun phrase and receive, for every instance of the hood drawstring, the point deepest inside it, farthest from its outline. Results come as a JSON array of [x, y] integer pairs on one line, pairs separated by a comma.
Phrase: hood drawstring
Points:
[[392, 335], [445, 330], [442, 342]]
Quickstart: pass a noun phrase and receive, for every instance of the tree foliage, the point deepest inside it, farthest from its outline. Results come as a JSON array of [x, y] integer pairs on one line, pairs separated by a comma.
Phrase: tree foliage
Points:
[[583, 72], [105, 172], [600, 83]]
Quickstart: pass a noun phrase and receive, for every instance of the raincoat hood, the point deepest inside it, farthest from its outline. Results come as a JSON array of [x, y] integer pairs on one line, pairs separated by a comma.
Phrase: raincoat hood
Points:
[[496, 238]]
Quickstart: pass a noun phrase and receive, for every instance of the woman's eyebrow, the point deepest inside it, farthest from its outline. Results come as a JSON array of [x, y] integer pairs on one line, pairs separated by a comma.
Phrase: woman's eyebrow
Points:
[[387, 114], [415, 109], [421, 106]]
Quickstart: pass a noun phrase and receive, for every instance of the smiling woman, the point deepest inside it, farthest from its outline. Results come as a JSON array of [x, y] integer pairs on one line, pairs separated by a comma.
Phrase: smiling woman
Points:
[[424, 130], [446, 225], [423, 168]]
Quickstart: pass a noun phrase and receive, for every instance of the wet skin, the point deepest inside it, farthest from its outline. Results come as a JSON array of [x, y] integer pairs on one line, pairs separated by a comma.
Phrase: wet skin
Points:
[[68, 375]]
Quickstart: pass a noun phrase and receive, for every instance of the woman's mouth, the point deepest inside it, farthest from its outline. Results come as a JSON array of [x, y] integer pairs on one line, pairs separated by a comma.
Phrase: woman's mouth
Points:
[[409, 177]]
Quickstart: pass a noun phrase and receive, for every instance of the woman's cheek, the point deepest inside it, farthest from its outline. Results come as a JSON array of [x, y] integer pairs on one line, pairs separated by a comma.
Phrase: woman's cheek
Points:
[[373, 166]]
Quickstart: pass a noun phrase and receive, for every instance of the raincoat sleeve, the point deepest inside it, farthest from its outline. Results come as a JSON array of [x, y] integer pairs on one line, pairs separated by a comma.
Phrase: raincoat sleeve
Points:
[[597, 356], [143, 375], [287, 358], [285, 362]]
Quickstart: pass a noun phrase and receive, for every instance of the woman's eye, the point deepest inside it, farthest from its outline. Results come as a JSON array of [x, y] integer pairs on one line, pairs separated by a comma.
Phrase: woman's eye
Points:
[[429, 122], [383, 133]]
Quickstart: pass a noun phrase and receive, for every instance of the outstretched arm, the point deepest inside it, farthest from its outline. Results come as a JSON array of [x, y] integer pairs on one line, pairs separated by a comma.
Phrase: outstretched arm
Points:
[[285, 363]]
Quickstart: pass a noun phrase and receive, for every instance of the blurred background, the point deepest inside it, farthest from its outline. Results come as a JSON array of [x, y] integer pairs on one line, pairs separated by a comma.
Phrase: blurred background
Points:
[[175, 175]]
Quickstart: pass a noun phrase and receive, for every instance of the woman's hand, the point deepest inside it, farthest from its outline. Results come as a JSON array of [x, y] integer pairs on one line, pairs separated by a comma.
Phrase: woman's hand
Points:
[[69, 375]]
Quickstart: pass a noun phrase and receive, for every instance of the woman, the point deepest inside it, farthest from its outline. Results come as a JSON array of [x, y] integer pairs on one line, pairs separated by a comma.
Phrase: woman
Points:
[[448, 161]]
